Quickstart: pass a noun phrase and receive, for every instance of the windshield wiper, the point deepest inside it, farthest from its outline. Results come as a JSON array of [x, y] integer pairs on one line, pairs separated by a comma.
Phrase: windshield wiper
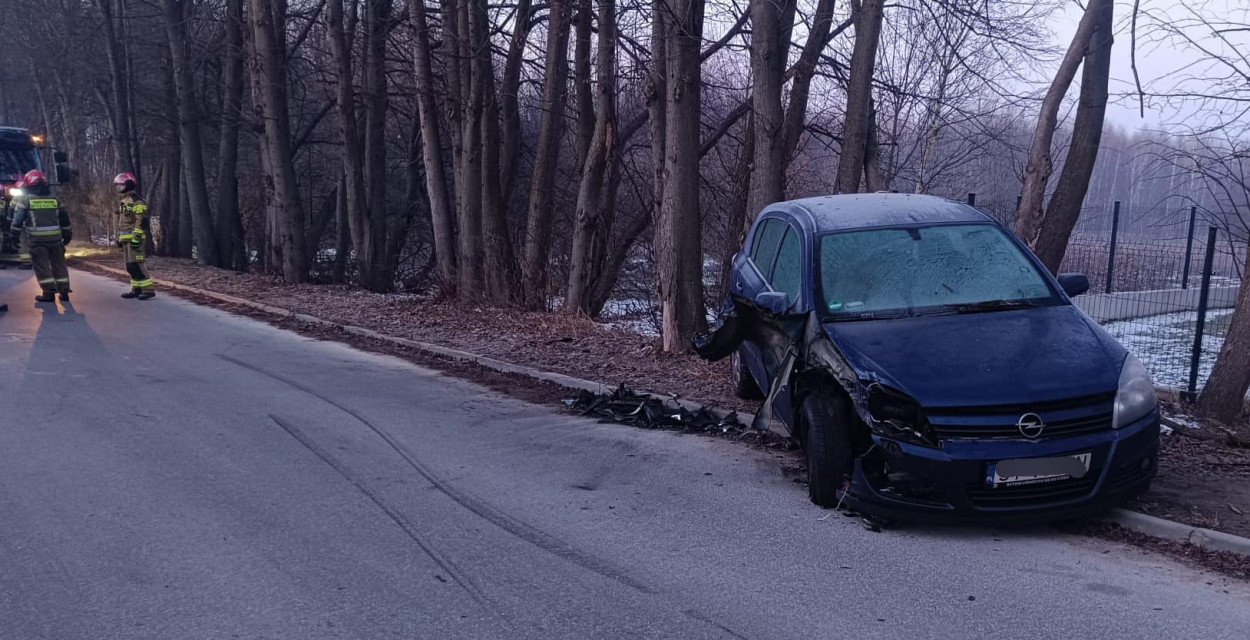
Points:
[[993, 305]]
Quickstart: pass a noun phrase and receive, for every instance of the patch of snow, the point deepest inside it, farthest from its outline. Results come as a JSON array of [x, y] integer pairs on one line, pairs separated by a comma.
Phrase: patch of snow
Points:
[[1164, 344]]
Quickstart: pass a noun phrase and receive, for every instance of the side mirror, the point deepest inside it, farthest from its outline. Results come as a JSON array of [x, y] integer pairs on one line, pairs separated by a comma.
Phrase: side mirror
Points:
[[1073, 284], [774, 302], [63, 174], [60, 157]]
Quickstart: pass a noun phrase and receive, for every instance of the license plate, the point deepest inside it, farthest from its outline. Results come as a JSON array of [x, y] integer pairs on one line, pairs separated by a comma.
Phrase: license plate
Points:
[[1023, 471]]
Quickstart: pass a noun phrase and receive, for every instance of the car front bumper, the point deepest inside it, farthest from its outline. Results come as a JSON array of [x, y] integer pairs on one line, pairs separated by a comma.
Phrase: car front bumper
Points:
[[910, 482]]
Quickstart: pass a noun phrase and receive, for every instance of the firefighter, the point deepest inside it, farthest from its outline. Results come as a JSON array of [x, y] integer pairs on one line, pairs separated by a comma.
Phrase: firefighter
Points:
[[13, 246], [132, 214], [45, 225]]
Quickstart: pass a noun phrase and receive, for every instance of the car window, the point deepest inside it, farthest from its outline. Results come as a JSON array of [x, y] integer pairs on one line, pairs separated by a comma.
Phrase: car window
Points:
[[893, 270], [788, 268], [765, 245]]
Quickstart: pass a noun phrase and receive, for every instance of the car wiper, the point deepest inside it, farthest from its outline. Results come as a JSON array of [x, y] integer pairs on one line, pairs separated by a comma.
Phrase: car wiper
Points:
[[993, 305]]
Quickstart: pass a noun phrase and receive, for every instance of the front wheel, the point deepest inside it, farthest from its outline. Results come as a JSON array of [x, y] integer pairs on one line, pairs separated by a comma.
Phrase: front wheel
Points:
[[744, 384], [827, 421]]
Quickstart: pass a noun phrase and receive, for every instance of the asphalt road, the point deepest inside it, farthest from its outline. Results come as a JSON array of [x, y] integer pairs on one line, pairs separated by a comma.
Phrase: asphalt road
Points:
[[170, 471]]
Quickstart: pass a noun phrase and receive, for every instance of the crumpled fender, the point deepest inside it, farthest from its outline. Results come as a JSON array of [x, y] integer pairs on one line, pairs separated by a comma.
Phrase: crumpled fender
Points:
[[789, 343]]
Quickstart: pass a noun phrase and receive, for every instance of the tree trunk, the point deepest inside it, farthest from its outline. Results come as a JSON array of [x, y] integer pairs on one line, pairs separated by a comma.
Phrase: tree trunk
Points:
[[768, 66], [121, 97], [499, 259], [441, 213], [371, 252], [581, 80], [588, 228], [1224, 394], [189, 128], [1065, 206], [509, 103], [536, 268], [873, 181], [804, 70], [1038, 169], [268, 18], [342, 233], [868, 16], [349, 134], [678, 236], [469, 178], [656, 92], [230, 238]]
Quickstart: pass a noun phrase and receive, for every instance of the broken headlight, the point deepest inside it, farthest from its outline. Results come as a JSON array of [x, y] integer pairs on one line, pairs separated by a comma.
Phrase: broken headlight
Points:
[[1136, 394], [894, 414]]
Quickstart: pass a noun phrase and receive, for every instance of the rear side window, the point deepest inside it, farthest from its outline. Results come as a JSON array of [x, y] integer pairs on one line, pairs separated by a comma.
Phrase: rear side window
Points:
[[765, 245], [788, 270]]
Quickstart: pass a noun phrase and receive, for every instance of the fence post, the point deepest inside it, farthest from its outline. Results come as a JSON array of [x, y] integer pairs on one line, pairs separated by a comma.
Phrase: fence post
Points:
[[1189, 246], [1115, 232], [1192, 393], [972, 199]]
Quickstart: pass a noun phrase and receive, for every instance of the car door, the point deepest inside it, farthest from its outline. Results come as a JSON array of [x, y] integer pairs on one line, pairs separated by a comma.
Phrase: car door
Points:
[[750, 278], [787, 276]]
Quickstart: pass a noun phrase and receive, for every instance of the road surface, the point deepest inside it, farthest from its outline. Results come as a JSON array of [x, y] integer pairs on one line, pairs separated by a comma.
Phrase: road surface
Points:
[[170, 471]]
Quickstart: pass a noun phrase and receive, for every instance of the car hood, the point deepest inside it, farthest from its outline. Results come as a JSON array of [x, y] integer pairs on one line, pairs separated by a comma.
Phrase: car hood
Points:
[[1001, 357]]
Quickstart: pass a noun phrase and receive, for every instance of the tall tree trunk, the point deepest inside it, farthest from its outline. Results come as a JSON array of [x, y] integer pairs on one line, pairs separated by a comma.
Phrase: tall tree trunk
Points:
[[1065, 206], [588, 226], [536, 268], [499, 259], [268, 18], [189, 128], [656, 92], [740, 220], [510, 155], [581, 80], [371, 251], [804, 70], [768, 66], [442, 217], [117, 75], [868, 16], [230, 239], [342, 233], [1039, 167], [678, 236], [1224, 394], [356, 210], [873, 180], [469, 176], [454, 65]]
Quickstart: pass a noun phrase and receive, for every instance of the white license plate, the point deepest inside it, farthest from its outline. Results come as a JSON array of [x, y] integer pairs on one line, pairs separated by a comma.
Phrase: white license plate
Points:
[[1036, 470]]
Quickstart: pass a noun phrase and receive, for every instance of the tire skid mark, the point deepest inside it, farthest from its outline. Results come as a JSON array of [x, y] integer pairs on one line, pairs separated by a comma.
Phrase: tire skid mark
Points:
[[474, 504], [696, 615], [395, 515]]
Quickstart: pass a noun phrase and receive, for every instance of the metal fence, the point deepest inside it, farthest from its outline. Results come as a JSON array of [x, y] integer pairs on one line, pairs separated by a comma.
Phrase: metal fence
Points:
[[1165, 290]]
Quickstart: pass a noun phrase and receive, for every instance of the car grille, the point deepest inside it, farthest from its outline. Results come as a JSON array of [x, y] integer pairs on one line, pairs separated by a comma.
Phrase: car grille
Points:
[[983, 495], [1063, 419]]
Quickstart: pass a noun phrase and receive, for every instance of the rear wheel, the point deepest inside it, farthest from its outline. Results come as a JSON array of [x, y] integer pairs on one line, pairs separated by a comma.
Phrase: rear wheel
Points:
[[827, 421], [744, 385]]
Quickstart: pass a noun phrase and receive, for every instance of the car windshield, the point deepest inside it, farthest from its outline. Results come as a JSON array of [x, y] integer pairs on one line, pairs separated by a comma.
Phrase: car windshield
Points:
[[14, 162], [910, 271]]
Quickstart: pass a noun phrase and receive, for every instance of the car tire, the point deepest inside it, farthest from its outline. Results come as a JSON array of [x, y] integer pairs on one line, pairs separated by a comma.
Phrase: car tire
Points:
[[743, 383], [827, 421]]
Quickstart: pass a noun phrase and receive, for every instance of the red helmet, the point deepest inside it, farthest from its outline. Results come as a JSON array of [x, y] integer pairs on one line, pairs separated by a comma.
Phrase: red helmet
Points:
[[125, 181], [33, 177], [20, 182]]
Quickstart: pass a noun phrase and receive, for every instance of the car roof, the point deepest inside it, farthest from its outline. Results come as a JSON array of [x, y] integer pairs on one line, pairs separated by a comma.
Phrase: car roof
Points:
[[865, 210]]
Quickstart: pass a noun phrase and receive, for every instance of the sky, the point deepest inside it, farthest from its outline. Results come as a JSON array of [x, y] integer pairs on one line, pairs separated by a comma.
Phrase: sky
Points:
[[1155, 60]]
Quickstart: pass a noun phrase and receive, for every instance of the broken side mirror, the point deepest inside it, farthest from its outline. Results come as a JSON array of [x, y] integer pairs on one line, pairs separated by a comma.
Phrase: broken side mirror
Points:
[[60, 157], [1073, 284], [63, 174], [774, 302]]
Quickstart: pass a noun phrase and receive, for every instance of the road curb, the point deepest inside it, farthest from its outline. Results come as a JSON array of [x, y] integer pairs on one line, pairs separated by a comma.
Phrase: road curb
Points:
[[1155, 527]]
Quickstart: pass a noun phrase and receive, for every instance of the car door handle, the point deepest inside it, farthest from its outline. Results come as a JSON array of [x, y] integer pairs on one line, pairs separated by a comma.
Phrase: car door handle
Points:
[[738, 285]]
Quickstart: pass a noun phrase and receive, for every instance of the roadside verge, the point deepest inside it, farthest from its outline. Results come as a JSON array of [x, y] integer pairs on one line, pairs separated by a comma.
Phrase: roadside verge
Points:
[[1199, 537]]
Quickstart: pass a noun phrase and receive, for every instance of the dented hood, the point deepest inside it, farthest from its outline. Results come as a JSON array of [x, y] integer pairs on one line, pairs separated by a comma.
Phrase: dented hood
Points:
[[1003, 357]]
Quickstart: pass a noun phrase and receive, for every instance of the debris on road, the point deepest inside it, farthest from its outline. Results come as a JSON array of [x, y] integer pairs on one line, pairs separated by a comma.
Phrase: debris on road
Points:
[[649, 412]]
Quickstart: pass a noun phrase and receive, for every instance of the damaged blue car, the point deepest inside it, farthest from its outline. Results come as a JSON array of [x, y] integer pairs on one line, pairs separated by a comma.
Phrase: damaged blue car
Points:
[[930, 366]]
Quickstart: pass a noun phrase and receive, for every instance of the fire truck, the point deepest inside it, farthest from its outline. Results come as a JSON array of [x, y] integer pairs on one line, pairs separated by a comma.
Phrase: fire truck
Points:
[[21, 151]]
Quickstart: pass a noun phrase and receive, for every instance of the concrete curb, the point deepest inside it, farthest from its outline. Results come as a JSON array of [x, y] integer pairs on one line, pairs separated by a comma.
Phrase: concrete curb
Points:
[[1202, 538]]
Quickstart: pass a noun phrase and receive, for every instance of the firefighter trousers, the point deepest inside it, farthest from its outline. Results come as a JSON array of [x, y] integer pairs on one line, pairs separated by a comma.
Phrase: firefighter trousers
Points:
[[49, 262], [139, 280]]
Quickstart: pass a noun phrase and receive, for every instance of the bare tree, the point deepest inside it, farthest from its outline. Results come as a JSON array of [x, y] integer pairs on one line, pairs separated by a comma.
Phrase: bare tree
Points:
[[868, 16], [441, 209]]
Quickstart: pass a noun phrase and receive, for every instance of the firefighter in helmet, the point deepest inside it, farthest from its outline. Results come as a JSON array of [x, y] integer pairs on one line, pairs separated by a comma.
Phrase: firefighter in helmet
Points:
[[132, 213], [45, 224], [14, 248]]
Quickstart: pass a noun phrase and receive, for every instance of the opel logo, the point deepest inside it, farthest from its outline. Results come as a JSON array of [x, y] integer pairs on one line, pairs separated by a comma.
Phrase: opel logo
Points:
[[1031, 426]]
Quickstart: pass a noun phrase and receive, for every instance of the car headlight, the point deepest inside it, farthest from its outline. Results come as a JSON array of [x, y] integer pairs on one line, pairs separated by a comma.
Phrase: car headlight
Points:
[[1136, 394]]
